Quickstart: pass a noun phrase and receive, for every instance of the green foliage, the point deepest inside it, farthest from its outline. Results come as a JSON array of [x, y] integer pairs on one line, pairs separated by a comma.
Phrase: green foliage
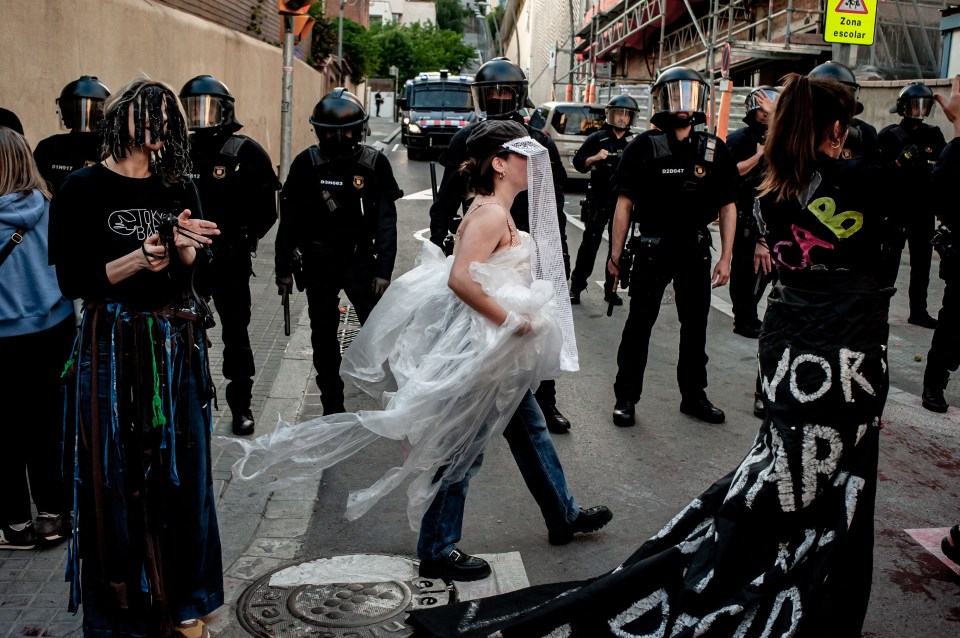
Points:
[[420, 47], [360, 50], [450, 15], [323, 41]]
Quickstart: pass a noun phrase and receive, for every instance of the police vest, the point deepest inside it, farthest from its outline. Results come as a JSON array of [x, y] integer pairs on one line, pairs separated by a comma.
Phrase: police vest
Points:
[[682, 184]]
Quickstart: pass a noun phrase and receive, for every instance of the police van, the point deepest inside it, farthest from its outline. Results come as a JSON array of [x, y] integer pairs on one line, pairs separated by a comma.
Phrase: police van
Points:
[[435, 106]]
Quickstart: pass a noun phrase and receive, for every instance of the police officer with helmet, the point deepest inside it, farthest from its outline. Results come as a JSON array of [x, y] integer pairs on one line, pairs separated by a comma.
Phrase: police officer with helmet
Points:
[[671, 183], [499, 92], [238, 190], [81, 108], [923, 143], [338, 227], [600, 154], [862, 141], [746, 148]]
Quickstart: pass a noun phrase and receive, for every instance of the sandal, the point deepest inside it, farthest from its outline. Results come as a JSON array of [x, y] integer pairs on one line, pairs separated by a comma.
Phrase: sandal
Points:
[[950, 545]]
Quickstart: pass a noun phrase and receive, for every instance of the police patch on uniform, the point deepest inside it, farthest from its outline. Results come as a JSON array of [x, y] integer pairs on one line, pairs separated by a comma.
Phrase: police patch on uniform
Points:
[[219, 172], [358, 181], [89, 163], [699, 171]]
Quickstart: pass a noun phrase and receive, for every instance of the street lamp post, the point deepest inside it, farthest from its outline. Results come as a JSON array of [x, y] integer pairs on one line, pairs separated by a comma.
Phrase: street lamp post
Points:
[[340, 43]]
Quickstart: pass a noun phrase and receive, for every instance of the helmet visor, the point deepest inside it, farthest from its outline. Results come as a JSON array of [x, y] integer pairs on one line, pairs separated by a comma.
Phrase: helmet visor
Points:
[[620, 118], [496, 100], [917, 107], [751, 101], [203, 111], [681, 95], [80, 114]]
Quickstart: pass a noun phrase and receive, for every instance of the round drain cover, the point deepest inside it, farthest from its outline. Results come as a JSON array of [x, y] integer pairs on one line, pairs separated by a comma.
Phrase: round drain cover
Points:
[[364, 595]]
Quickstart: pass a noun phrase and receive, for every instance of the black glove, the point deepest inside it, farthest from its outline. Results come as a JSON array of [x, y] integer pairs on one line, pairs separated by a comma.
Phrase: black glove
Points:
[[909, 156], [284, 285]]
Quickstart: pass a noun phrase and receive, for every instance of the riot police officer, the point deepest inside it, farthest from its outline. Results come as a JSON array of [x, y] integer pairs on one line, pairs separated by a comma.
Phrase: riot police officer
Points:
[[600, 154], [746, 148], [862, 141], [499, 92], [338, 210], [944, 354], [671, 183], [924, 143], [238, 190], [81, 107]]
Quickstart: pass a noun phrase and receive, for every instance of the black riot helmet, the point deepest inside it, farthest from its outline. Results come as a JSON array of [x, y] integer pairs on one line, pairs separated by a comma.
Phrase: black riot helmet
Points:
[[831, 70], [499, 89], [81, 104], [678, 90], [339, 120], [751, 105], [915, 101], [619, 106], [208, 104]]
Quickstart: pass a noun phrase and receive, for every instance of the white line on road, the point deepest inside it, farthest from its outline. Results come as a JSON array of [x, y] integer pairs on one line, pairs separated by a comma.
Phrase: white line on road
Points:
[[395, 147]]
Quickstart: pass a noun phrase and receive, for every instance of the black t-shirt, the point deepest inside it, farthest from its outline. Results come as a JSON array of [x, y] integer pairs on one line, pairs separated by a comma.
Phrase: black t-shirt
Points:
[[742, 145], [682, 190], [338, 208], [601, 173], [59, 155], [840, 227], [237, 192], [98, 216]]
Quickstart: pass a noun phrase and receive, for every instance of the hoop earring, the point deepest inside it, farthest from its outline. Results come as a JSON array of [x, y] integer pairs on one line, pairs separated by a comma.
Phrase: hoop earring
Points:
[[837, 145]]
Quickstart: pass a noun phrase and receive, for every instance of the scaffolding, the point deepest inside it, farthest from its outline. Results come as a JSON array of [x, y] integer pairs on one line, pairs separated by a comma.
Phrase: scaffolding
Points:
[[777, 35]]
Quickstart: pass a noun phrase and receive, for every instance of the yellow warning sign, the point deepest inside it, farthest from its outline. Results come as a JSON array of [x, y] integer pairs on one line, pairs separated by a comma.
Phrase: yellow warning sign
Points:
[[850, 22]]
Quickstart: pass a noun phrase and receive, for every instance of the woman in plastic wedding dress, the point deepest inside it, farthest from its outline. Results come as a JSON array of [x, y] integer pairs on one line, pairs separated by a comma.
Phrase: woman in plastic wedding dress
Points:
[[453, 350], [782, 546]]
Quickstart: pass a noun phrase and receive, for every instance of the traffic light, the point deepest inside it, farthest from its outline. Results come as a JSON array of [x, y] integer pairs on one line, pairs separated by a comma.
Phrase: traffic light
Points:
[[293, 7]]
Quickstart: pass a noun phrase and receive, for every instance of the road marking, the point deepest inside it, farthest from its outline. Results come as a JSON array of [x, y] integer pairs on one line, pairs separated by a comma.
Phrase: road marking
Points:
[[424, 194], [929, 539], [395, 147]]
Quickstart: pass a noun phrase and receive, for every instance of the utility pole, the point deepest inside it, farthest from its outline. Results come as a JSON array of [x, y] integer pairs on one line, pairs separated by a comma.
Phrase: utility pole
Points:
[[340, 43]]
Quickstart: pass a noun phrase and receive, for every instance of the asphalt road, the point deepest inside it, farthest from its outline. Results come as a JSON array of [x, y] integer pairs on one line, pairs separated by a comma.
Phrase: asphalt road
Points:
[[647, 473]]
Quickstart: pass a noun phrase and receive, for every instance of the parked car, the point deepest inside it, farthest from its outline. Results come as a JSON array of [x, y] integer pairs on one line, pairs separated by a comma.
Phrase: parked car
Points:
[[568, 124]]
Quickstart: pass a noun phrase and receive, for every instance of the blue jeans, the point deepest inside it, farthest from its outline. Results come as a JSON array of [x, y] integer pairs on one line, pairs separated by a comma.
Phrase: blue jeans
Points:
[[539, 465]]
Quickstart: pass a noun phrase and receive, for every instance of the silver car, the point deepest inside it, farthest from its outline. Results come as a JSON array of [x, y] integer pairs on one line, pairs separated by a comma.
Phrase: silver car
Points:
[[568, 124]]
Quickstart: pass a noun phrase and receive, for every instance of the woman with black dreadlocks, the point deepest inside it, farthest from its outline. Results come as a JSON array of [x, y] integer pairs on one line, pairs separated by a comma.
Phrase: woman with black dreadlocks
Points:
[[125, 236]]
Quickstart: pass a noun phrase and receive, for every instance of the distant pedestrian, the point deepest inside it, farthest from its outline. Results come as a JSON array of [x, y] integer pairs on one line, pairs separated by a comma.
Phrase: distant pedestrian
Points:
[[36, 331], [378, 100], [125, 235]]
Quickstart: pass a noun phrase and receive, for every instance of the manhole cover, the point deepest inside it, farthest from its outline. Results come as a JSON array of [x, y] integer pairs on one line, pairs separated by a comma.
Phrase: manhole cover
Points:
[[341, 597]]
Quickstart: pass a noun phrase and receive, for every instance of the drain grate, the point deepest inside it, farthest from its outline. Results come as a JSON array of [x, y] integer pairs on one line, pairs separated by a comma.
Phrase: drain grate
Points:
[[348, 328]]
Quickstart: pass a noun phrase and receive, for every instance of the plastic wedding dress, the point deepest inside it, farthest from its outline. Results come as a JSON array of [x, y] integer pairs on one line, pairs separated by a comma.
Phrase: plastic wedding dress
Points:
[[448, 379]]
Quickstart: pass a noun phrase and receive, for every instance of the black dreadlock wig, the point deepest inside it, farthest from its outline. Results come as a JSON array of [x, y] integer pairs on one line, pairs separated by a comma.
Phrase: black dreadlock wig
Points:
[[148, 99]]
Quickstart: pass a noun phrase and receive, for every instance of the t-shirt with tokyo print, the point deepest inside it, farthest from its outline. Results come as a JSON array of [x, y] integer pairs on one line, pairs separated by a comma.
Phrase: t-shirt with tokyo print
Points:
[[98, 216]]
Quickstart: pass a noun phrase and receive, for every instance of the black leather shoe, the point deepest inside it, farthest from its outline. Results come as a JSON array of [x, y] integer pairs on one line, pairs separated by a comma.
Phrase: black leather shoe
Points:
[[333, 409], [750, 332], [758, 409], [613, 298], [586, 521], [574, 297], [924, 321], [702, 409], [933, 400], [455, 566], [556, 422], [243, 423], [623, 414]]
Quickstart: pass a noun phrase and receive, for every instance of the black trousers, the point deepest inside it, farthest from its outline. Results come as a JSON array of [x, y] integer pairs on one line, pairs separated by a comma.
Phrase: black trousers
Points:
[[30, 393], [690, 273], [354, 276], [918, 235], [595, 222], [944, 352], [231, 295], [744, 292]]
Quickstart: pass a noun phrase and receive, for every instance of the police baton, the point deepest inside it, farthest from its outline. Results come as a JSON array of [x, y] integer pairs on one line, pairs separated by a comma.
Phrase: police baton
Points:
[[433, 180], [285, 300]]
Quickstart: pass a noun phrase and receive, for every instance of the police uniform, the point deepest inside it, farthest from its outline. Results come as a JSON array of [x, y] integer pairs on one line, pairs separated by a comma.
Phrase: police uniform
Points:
[[597, 212], [238, 187], [677, 188], [450, 197], [342, 217], [745, 289], [59, 155], [944, 354], [916, 204]]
